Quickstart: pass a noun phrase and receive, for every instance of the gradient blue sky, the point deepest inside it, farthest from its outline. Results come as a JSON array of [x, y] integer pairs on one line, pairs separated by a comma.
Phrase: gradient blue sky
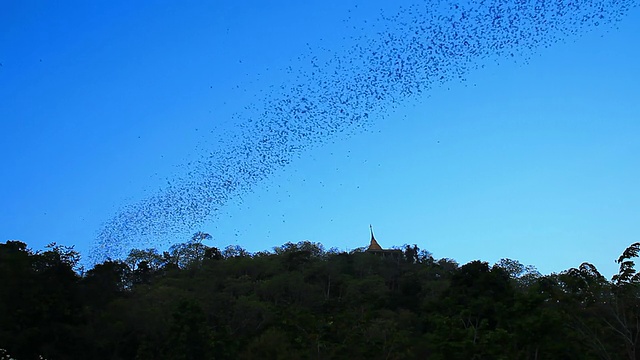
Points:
[[101, 104]]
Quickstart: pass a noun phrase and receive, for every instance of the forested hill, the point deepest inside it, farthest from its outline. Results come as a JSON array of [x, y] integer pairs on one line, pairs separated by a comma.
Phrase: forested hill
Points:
[[301, 301]]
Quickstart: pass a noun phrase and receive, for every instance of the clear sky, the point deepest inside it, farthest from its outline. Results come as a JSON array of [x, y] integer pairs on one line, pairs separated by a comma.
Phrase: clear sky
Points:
[[136, 124]]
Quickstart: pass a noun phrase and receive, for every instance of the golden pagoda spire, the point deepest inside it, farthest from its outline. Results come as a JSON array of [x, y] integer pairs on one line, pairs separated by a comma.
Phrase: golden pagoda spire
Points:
[[374, 246]]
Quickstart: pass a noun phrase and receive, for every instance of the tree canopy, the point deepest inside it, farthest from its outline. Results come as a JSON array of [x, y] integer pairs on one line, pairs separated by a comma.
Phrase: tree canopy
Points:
[[302, 301]]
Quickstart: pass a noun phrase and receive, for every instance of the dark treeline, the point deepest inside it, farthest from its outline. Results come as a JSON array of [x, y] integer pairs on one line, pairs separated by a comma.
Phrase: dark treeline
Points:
[[301, 301]]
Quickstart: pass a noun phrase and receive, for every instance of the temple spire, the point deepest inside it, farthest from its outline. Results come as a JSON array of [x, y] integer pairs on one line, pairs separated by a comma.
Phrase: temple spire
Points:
[[374, 246]]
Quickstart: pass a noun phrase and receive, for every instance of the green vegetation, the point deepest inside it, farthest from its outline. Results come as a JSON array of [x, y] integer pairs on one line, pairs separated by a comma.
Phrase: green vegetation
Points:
[[301, 301]]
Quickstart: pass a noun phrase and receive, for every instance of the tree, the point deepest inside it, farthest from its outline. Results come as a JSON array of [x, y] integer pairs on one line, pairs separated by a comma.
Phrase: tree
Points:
[[189, 254], [523, 276], [303, 302], [189, 336], [39, 301], [472, 314], [62, 254], [233, 251], [151, 259], [625, 308], [106, 281]]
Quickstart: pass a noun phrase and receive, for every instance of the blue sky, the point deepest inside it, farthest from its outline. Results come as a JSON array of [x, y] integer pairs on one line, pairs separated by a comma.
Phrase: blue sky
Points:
[[103, 105]]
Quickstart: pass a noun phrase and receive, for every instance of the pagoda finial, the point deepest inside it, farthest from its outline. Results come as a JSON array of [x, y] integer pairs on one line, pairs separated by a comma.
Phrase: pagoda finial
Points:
[[373, 246]]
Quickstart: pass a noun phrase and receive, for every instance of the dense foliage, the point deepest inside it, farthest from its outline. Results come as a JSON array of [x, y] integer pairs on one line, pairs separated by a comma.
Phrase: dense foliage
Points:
[[301, 301]]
